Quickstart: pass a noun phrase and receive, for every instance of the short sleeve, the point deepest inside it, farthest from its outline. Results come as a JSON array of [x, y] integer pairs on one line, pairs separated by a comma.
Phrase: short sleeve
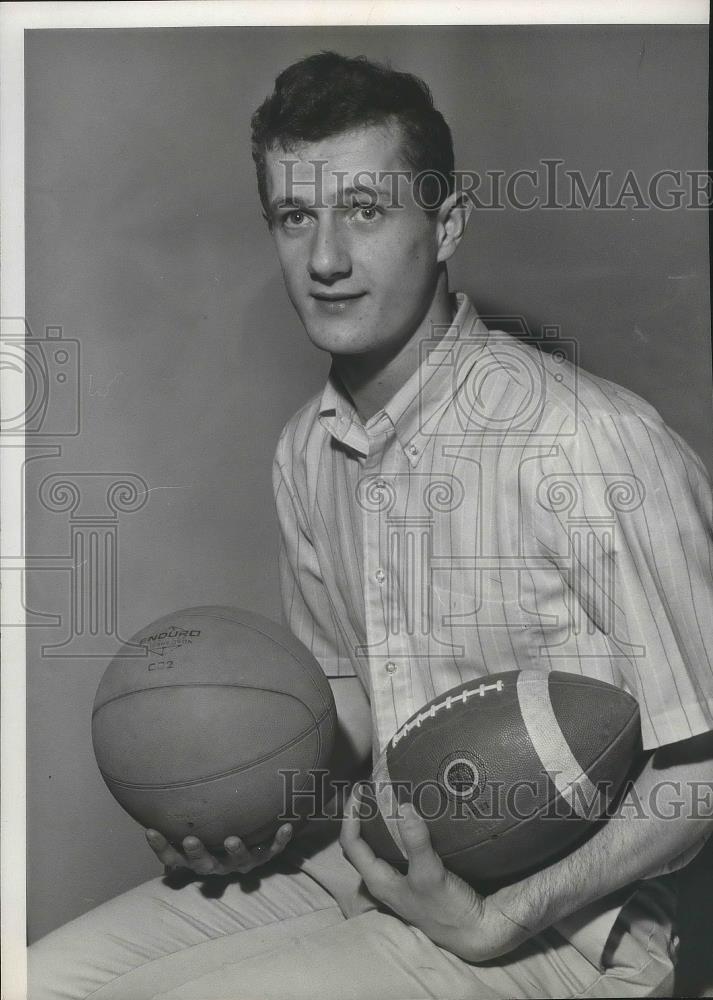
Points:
[[631, 502], [305, 600]]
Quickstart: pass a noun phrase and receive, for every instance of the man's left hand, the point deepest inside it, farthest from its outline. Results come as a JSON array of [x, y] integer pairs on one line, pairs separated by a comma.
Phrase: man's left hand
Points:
[[448, 910]]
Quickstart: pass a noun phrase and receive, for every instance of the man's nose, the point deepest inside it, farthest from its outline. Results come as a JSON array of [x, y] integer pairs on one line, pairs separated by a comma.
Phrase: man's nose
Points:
[[329, 257]]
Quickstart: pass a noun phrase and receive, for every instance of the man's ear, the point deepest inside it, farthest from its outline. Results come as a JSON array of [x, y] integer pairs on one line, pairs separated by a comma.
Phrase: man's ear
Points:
[[453, 215]]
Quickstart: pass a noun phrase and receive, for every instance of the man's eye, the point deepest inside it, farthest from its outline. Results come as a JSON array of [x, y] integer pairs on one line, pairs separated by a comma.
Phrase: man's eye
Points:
[[367, 213], [294, 218]]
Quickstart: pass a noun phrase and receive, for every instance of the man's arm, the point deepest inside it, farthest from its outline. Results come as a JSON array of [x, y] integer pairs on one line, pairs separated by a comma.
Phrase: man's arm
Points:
[[670, 807], [352, 748], [309, 615], [624, 850]]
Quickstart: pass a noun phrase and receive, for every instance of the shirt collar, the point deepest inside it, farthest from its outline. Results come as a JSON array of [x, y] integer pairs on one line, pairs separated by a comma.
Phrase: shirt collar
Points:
[[414, 411]]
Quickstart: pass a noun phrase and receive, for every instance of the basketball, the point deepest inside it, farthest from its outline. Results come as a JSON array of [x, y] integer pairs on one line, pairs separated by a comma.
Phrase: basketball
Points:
[[215, 727], [510, 772]]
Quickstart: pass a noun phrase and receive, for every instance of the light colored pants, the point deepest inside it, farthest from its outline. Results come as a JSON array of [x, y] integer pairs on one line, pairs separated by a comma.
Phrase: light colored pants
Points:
[[279, 934]]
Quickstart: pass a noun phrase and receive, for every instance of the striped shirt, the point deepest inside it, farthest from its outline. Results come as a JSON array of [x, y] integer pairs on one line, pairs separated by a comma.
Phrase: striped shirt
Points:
[[504, 510]]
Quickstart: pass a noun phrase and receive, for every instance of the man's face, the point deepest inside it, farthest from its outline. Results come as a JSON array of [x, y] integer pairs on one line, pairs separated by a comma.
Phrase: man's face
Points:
[[360, 270]]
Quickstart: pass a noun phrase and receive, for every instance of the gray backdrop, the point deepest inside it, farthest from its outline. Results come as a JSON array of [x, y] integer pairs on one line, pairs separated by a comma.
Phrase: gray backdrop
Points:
[[146, 244]]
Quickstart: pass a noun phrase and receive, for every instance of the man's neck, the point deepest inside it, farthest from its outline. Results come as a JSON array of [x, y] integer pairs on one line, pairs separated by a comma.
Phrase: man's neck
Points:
[[372, 379]]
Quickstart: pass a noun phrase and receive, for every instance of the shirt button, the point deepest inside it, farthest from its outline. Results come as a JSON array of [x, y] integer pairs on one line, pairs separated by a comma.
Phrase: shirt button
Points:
[[390, 667], [413, 450], [380, 575]]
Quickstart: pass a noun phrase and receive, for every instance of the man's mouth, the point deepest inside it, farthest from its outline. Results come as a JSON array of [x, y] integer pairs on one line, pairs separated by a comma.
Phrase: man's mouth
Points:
[[335, 302]]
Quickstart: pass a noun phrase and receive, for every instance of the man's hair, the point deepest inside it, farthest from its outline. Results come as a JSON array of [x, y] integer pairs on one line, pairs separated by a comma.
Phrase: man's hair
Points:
[[327, 93]]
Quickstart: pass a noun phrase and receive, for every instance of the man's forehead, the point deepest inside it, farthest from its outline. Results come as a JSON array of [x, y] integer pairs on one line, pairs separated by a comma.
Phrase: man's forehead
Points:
[[336, 162]]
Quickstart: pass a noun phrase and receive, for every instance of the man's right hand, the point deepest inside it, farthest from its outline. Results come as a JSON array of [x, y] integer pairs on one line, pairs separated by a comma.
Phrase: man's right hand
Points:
[[238, 858]]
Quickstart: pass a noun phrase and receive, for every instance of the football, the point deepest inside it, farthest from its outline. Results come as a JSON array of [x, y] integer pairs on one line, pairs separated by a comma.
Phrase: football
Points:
[[510, 772]]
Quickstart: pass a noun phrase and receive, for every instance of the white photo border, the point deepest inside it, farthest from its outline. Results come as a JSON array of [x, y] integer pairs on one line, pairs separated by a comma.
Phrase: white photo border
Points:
[[15, 19]]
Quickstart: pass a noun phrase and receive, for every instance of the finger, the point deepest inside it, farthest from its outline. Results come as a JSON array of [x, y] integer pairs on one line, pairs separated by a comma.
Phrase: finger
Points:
[[241, 859], [165, 852], [200, 861], [282, 838], [350, 816], [381, 878], [350, 834], [424, 865]]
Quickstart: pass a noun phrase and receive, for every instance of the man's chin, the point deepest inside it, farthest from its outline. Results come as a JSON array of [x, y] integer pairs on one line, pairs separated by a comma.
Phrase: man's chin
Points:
[[339, 342]]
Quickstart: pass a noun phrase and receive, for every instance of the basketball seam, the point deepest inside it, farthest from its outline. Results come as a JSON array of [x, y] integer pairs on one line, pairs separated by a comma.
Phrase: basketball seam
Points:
[[254, 628], [315, 728], [205, 684]]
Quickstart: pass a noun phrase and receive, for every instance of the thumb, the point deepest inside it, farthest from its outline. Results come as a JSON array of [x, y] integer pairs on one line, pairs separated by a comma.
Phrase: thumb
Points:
[[416, 839]]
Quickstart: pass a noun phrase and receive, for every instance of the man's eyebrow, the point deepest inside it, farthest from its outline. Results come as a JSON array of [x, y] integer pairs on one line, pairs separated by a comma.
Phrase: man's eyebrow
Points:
[[295, 201], [282, 201], [370, 189]]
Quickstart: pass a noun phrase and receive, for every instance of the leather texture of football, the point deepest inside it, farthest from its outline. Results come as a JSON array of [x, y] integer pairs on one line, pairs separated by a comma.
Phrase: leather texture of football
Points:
[[510, 771]]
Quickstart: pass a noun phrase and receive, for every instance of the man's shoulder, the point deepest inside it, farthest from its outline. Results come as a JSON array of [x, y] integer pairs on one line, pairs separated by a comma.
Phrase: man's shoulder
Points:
[[298, 430], [590, 412], [557, 391], [594, 398], [539, 391]]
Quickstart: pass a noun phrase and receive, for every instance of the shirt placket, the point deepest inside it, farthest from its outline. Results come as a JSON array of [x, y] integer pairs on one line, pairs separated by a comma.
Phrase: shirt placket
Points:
[[387, 647]]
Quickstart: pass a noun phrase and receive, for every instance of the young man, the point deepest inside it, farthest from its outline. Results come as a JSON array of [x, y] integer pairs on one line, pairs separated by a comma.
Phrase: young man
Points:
[[455, 503]]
